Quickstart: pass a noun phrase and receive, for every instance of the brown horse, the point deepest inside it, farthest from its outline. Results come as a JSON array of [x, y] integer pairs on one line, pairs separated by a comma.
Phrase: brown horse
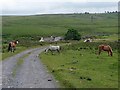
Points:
[[106, 48], [12, 45]]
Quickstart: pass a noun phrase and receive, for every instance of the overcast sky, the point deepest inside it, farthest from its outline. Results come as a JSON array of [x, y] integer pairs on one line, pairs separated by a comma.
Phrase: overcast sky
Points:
[[32, 7]]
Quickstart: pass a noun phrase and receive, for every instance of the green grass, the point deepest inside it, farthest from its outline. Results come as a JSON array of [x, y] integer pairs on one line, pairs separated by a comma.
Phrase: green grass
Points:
[[22, 46], [8, 54], [45, 25], [71, 65], [19, 49], [102, 70], [29, 29]]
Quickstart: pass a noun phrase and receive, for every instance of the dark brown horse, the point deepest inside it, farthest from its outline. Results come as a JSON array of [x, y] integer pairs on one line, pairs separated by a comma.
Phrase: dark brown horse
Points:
[[106, 48], [12, 46]]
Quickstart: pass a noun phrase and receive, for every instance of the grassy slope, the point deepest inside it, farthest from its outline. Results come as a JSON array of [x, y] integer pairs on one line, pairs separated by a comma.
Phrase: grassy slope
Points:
[[58, 24], [102, 70]]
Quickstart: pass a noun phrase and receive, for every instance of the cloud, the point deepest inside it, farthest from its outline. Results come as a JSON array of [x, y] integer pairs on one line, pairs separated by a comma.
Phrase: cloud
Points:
[[22, 7]]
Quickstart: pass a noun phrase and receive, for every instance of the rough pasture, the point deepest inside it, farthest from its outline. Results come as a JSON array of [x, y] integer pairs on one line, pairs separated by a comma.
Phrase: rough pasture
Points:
[[44, 25], [29, 29], [79, 66]]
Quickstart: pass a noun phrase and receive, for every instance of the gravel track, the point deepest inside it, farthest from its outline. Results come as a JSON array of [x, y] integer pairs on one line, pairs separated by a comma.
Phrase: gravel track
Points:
[[30, 74]]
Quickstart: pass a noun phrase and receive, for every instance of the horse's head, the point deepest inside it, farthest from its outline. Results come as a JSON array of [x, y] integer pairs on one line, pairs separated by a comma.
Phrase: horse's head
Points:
[[16, 41], [111, 53], [46, 50]]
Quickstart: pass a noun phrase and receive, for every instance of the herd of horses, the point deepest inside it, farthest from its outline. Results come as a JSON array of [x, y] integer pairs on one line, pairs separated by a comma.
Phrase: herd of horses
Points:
[[103, 47]]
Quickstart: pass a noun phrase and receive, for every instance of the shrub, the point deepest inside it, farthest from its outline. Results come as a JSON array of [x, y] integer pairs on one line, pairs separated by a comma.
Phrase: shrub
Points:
[[72, 35]]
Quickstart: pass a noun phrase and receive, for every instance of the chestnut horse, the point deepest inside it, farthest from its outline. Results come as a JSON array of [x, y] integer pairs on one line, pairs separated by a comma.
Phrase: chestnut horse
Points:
[[12, 45], [106, 48]]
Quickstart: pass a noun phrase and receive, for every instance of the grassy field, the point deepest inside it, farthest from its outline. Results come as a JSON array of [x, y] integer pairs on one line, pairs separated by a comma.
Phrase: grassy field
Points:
[[8, 54], [78, 66], [22, 47], [29, 29], [45, 25]]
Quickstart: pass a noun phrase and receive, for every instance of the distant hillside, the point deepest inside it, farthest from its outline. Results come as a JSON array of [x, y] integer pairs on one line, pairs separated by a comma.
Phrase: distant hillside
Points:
[[45, 25]]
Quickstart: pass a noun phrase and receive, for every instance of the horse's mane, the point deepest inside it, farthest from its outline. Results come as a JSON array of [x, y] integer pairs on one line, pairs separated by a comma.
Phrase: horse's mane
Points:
[[110, 48]]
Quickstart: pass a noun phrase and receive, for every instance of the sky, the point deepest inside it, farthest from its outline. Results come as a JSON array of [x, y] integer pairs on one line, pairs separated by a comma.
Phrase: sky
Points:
[[33, 7]]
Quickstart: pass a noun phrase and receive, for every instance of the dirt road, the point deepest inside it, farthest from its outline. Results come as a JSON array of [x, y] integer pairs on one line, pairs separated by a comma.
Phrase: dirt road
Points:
[[30, 73]]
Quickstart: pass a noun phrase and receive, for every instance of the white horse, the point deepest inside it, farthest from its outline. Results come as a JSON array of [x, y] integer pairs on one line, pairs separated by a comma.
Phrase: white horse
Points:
[[41, 40], [88, 40], [53, 48]]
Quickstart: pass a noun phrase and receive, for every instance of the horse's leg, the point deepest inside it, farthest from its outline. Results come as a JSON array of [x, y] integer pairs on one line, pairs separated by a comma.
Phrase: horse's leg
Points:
[[99, 52], [52, 52], [14, 49], [8, 49], [58, 51], [11, 49]]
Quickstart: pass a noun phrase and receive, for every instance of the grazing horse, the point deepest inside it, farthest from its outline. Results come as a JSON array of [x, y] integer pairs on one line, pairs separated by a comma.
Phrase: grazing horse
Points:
[[105, 48], [12, 45], [53, 48]]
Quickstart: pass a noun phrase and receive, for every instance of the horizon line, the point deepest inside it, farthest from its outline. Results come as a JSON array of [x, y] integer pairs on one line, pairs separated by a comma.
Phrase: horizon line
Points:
[[107, 12]]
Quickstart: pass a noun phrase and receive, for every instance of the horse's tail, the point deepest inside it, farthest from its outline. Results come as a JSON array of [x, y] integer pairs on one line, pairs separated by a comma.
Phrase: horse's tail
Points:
[[9, 46]]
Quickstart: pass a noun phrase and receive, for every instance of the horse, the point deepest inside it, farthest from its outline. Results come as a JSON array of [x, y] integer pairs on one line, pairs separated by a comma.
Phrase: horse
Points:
[[88, 40], [12, 45], [41, 40], [53, 48], [106, 48]]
